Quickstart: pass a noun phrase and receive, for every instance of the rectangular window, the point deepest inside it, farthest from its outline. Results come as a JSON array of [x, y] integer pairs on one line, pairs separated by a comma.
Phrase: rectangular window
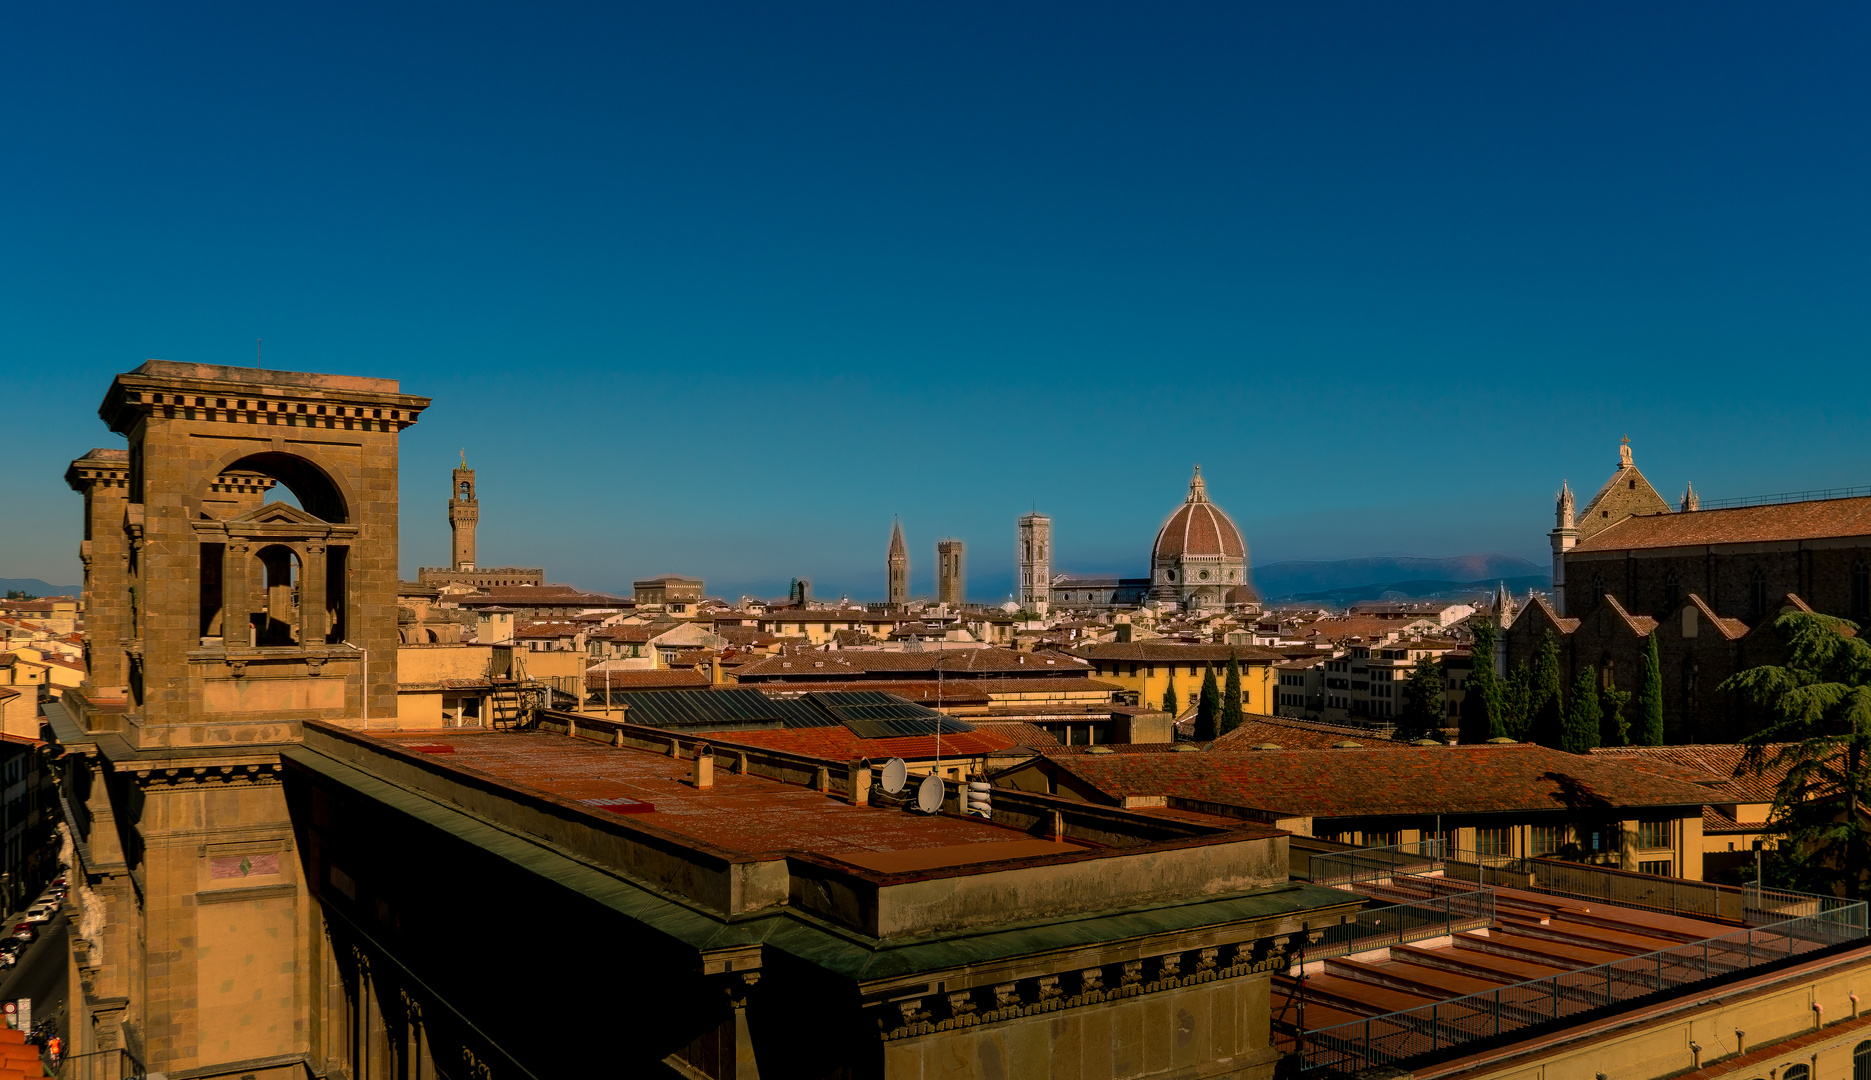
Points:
[[1659, 867], [1548, 839], [1496, 841], [1653, 835]]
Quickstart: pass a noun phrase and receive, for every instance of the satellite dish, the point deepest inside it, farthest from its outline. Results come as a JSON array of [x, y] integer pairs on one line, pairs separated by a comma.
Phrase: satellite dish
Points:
[[896, 774], [930, 793]]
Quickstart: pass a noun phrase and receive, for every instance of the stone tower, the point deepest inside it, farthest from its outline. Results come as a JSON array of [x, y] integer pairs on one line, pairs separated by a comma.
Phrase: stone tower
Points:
[[1033, 559], [951, 573], [898, 565], [464, 513], [221, 622], [1565, 534]]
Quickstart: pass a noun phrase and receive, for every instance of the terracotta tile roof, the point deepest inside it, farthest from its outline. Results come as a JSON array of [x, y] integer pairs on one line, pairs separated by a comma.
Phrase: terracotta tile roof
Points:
[[1414, 780], [953, 663], [1566, 626], [1714, 821], [1290, 734], [1171, 652], [1718, 766], [1741, 525], [1021, 734]]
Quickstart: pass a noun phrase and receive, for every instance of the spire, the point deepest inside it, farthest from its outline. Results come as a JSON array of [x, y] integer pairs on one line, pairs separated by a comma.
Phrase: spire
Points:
[[1690, 501], [897, 546], [1564, 510], [1198, 491]]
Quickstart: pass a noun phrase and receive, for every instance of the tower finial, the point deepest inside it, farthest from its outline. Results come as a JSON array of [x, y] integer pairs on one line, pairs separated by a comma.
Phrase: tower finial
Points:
[[1690, 500], [1565, 508], [1198, 491], [464, 457], [1624, 453]]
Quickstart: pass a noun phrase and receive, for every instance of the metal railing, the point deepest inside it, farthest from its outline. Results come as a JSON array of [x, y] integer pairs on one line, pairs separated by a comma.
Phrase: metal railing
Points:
[[1814, 495], [119, 1064], [1409, 1033], [1361, 865], [1444, 915]]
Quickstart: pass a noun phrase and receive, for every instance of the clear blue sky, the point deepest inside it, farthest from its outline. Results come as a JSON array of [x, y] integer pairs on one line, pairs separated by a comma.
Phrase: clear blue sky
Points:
[[718, 289]]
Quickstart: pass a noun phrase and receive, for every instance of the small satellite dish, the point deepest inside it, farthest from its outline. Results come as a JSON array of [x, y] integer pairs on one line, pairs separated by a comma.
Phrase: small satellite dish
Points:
[[896, 774], [930, 793]]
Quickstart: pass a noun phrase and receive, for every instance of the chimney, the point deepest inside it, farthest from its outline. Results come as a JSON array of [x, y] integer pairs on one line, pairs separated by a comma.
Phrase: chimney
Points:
[[861, 782], [704, 767]]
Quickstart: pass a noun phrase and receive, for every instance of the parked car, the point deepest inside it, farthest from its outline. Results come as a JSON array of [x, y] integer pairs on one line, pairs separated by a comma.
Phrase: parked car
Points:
[[24, 931], [38, 913]]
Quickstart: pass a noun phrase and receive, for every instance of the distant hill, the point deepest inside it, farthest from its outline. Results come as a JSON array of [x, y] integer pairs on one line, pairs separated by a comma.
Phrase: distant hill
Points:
[[1285, 579], [1419, 590], [36, 587]]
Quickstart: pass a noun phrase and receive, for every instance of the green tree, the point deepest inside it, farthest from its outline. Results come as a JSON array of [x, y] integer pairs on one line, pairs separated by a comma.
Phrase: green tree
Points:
[[1545, 723], [1421, 717], [1480, 717], [1208, 707], [1171, 704], [1231, 715], [1584, 715], [1820, 735], [1613, 730], [1650, 699]]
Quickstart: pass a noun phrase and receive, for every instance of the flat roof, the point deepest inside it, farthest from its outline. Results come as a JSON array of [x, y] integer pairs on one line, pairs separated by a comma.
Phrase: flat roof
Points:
[[750, 815]]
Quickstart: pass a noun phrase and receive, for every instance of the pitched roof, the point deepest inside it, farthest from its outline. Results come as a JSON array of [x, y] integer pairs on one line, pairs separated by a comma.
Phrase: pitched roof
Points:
[[844, 663], [1717, 766], [1368, 782], [1815, 520], [1288, 734], [1174, 653], [1022, 734]]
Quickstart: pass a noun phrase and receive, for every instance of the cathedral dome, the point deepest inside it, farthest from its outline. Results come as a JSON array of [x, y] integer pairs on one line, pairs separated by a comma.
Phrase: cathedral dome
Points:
[[1198, 528]]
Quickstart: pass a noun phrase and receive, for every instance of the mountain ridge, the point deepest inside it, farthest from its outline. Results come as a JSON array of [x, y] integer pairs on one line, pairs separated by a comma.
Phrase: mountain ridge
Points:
[[1287, 579]]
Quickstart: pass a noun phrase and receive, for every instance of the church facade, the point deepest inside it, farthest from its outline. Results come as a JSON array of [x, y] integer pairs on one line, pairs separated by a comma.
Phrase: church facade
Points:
[[1708, 582]]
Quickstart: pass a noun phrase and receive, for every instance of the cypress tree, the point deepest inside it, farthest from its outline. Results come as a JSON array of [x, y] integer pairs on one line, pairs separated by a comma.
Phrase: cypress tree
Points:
[[1614, 730], [1231, 697], [1422, 703], [1480, 698], [1208, 707], [1544, 719], [1584, 716], [1650, 699], [1170, 704]]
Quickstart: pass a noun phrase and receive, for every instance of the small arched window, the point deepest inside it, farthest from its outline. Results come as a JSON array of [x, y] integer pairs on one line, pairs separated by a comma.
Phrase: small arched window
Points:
[[1598, 589], [1672, 591], [1797, 1072], [1861, 1054]]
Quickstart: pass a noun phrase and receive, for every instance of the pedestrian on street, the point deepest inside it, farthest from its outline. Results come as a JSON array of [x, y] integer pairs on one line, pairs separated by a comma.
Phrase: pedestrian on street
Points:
[[53, 1048]]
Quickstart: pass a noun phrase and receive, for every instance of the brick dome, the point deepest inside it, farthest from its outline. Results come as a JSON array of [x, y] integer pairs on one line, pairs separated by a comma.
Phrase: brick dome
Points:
[[1198, 528]]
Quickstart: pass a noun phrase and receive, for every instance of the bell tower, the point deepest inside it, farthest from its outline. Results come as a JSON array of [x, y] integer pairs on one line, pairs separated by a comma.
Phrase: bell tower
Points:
[[1033, 560], [897, 564], [464, 513]]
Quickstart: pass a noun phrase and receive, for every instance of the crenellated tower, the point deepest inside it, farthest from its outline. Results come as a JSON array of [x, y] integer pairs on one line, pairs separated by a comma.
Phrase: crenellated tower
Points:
[[951, 573], [464, 513]]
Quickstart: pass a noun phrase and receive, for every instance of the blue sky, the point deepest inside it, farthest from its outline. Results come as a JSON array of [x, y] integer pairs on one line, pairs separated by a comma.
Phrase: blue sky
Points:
[[719, 289]]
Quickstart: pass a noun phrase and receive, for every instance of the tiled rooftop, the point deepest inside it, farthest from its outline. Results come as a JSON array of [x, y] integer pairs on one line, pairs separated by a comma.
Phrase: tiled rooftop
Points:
[[1740, 525], [1408, 780]]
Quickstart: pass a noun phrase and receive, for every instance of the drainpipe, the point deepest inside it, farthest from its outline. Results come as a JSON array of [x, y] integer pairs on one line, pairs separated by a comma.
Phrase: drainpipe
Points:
[[1741, 1042], [1695, 1054]]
